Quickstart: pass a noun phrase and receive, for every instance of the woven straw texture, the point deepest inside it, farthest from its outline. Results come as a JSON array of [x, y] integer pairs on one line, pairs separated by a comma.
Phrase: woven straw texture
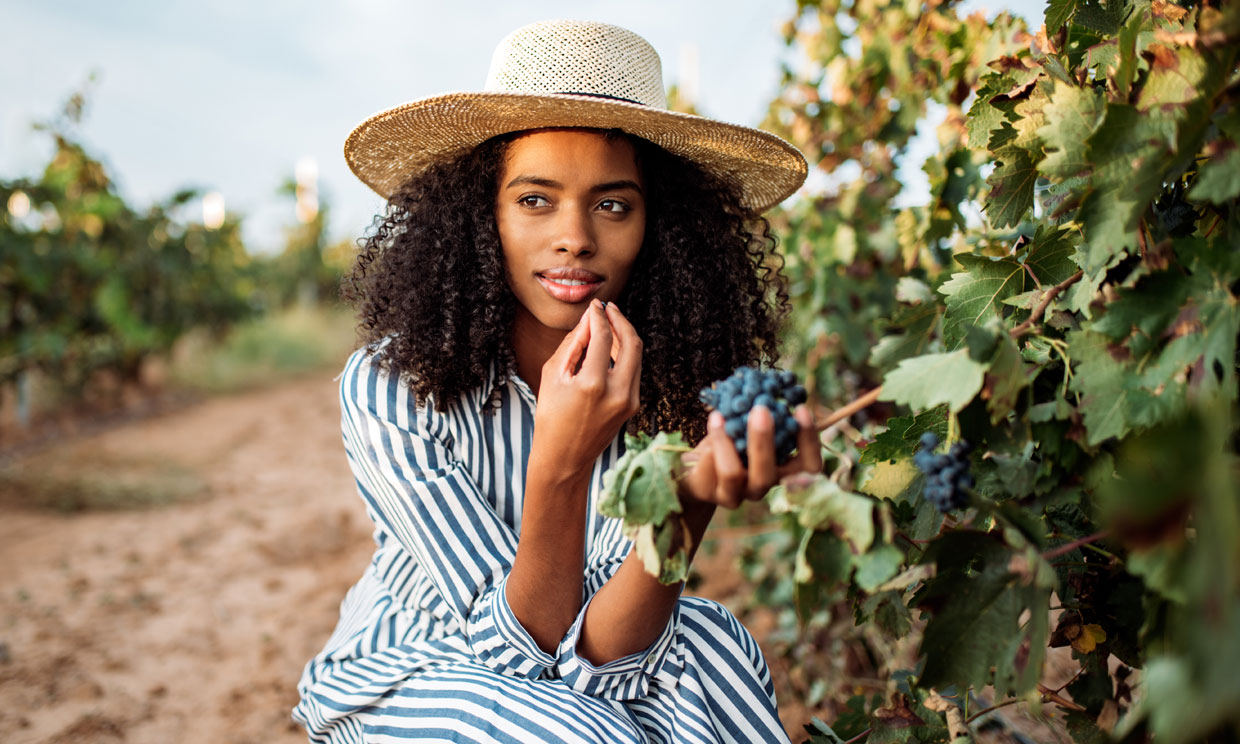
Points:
[[570, 74]]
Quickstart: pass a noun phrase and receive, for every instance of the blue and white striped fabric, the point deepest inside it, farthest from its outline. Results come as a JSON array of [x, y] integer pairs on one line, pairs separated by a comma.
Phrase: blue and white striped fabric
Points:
[[427, 648]]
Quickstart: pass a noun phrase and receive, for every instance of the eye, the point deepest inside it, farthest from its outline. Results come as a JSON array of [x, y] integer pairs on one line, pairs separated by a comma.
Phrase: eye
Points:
[[613, 205], [533, 200]]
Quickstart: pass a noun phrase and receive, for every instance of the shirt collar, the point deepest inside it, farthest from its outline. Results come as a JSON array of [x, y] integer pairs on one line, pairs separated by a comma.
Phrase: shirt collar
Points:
[[519, 386]]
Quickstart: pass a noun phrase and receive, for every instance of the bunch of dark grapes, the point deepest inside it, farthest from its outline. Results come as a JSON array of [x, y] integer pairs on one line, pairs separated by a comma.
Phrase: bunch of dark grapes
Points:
[[947, 475], [1176, 216], [747, 387]]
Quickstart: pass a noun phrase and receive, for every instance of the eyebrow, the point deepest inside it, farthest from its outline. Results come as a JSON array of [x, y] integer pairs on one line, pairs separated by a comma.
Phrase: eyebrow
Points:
[[551, 184]]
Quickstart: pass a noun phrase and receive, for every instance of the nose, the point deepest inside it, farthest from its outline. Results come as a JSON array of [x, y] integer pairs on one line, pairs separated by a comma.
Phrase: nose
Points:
[[574, 233]]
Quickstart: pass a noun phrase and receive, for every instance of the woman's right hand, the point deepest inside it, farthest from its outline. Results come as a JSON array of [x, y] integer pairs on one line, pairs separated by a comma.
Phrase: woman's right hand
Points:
[[583, 398]]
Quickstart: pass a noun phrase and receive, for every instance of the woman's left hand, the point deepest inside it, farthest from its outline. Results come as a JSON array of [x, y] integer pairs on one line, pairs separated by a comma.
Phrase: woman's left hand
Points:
[[718, 477]]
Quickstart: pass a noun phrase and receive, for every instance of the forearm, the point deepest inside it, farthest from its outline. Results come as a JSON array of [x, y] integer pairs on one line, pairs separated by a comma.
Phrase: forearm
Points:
[[544, 585], [629, 612]]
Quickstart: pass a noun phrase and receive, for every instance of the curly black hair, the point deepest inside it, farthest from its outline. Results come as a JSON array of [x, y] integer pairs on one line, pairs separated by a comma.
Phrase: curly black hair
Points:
[[706, 293]]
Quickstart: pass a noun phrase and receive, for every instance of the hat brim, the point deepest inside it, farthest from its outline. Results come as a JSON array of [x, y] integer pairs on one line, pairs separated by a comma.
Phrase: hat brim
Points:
[[389, 148]]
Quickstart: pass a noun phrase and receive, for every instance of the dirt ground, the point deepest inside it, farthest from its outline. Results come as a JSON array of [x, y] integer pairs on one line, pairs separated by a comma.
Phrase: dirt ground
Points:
[[190, 622]]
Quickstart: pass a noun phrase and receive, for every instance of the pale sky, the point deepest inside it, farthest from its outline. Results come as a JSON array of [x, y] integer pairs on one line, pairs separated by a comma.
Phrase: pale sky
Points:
[[229, 95]]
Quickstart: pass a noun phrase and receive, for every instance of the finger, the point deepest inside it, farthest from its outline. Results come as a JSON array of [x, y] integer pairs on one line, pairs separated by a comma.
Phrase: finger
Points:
[[761, 432], [597, 359], [729, 470], [627, 350], [700, 477], [573, 348], [615, 337], [809, 449]]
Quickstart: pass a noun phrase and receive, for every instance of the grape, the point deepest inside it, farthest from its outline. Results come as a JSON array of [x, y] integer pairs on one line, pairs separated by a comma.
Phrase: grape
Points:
[[776, 390], [947, 475], [1176, 216]]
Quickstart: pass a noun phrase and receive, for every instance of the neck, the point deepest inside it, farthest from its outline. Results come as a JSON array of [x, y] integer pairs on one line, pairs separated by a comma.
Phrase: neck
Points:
[[533, 344]]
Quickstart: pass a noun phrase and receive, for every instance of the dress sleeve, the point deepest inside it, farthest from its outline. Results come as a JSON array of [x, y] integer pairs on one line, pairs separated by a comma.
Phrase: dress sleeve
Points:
[[421, 495], [628, 677]]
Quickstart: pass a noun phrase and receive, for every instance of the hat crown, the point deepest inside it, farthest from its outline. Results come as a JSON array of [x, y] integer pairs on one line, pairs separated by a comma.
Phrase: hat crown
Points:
[[580, 57]]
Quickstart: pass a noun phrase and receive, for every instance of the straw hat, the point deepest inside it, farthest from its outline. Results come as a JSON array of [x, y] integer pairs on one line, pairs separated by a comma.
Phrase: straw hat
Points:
[[569, 74]]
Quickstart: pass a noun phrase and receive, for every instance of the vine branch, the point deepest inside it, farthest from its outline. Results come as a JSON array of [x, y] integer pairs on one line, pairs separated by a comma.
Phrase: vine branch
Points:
[[1068, 548], [996, 706], [849, 409], [1040, 310], [1057, 699], [859, 736]]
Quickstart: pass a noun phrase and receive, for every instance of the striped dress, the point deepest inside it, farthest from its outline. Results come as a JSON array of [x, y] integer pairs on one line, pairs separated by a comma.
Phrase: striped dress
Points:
[[427, 648]]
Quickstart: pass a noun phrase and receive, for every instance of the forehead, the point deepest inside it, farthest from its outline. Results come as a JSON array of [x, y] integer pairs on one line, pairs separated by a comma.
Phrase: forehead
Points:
[[571, 151]]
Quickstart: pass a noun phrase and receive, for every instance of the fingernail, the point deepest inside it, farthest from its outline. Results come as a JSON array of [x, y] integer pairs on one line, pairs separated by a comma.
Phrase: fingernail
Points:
[[715, 420]]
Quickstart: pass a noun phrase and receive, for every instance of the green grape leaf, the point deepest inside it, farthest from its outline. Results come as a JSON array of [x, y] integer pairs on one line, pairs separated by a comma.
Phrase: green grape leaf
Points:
[[1011, 183], [975, 294], [1103, 384], [1071, 118], [823, 558], [820, 504], [900, 439], [976, 602], [993, 103], [1129, 151], [918, 323], [1007, 377], [893, 481], [1050, 255], [877, 566], [654, 546], [1103, 18], [641, 487], [983, 118], [1219, 315], [913, 291], [821, 733], [927, 381], [888, 612], [1141, 313], [1058, 12], [641, 490], [1218, 180], [1175, 79]]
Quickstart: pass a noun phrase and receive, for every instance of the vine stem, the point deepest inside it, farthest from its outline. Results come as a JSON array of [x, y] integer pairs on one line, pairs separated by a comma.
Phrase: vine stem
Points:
[[849, 409], [1063, 549], [1048, 695], [1213, 225], [868, 399], [1075, 677], [996, 706], [1040, 310], [1058, 699], [859, 736]]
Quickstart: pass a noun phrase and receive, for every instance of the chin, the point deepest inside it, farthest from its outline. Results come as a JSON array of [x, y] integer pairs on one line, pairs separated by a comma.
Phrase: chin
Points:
[[566, 318]]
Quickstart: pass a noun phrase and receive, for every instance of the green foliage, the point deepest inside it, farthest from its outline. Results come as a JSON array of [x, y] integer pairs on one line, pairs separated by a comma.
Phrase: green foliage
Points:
[[1082, 336], [88, 283], [640, 489], [1066, 302]]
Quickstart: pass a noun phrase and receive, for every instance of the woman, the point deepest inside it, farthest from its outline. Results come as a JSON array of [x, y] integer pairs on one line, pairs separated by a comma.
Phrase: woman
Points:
[[500, 376]]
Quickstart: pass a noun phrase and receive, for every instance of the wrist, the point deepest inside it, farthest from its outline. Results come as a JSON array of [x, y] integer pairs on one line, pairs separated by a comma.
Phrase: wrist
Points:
[[548, 474]]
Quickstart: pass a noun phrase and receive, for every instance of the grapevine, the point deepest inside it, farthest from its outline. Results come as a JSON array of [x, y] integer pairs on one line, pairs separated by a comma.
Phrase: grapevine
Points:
[[748, 387], [1066, 302], [947, 475]]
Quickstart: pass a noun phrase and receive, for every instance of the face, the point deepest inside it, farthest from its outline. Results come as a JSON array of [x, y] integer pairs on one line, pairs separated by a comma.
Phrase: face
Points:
[[571, 217]]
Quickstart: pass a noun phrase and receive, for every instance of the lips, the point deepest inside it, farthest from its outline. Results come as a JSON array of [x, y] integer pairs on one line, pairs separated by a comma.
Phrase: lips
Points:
[[569, 284]]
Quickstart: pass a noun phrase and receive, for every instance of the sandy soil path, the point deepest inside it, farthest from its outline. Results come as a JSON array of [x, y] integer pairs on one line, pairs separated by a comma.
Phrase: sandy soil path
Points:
[[189, 622], [186, 623]]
